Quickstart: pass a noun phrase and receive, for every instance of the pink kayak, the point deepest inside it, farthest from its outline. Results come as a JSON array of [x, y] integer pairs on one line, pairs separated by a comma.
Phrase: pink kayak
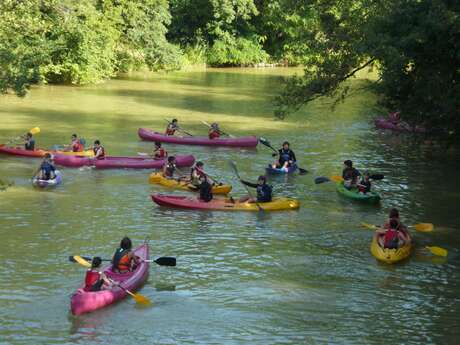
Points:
[[402, 126], [87, 301], [120, 162], [146, 134]]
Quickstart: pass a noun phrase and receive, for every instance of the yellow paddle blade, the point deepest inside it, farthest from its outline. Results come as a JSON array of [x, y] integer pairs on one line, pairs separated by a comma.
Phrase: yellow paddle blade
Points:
[[35, 130], [424, 227], [336, 178], [437, 251], [82, 261], [141, 299], [369, 226]]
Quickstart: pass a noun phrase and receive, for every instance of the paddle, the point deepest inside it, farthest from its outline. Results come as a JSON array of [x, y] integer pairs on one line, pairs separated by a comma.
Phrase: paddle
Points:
[[179, 129], [437, 251], [162, 261], [420, 227], [235, 170], [221, 132], [137, 297], [267, 143], [34, 130], [336, 178]]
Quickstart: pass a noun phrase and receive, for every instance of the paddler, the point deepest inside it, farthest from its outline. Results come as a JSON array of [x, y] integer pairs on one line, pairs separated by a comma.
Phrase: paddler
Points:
[[214, 131], [46, 171], [392, 237], [196, 173], [29, 142], [264, 190], [205, 188], [365, 184], [350, 175], [394, 215], [159, 152], [75, 145], [172, 127], [94, 279], [98, 149], [170, 168], [394, 117], [286, 157], [124, 259]]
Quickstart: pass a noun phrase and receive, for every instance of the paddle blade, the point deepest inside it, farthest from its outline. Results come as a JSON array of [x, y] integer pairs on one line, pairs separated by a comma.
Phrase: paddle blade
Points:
[[302, 171], [437, 251], [337, 178], [377, 177], [369, 226], [165, 261], [35, 130], [82, 261], [321, 179], [424, 227], [264, 141], [141, 299]]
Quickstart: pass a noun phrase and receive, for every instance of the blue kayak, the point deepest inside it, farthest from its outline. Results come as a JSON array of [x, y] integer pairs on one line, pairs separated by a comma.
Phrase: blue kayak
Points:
[[48, 183], [279, 171]]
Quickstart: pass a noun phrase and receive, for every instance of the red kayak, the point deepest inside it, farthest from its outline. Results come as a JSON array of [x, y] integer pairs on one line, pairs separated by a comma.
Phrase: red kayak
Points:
[[87, 301], [401, 126], [146, 134], [120, 162]]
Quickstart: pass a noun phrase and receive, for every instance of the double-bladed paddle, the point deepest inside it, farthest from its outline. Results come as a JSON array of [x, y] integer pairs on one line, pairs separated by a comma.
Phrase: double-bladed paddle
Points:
[[235, 170], [267, 143], [162, 261], [336, 178], [34, 130], [221, 132]]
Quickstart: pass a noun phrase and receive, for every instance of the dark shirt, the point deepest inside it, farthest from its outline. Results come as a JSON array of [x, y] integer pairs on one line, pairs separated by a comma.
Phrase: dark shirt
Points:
[[264, 191], [286, 156], [350, 174], [30, 144], [205, 191]]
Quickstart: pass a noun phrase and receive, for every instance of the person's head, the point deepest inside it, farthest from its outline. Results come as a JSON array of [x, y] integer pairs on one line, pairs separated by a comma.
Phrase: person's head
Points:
[[157, 144], [286, 145], [199, 164], [48, 157], [171, 159], [174, 121], [261, 180], [394, 213], [126, 243], [29, 135], [394, 224], [97, 143], [96, 262], [215, 125], [348, 163], [74, 137]]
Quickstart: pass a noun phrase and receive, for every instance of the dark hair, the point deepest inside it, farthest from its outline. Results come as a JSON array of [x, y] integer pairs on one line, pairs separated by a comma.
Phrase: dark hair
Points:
[[96, 262], [97, 142], [126, 243], [394, 213], [171, 159], [286, 143], [199, 164], [48, 155], [348, 163], [74, 135], [394, 224], [174, 120], [157, 144], [29, 134], [262, 178]]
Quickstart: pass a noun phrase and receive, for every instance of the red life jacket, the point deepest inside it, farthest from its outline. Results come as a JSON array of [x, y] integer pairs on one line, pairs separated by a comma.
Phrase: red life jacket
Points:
[[161, 153], [170, 130], [214, 134], [101, 148], [390, 239], [91, 278], [77, 146]]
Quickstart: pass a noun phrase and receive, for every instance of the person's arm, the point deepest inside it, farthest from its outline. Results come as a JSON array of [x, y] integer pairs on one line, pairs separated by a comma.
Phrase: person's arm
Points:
[[293, 158], [249, 184]]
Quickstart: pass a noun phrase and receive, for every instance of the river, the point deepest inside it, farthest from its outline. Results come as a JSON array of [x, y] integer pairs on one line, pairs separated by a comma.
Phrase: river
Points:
[[301, 277]]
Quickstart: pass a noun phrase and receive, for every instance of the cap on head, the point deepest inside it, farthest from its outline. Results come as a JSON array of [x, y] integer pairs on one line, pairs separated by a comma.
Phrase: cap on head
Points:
[[348, 163]]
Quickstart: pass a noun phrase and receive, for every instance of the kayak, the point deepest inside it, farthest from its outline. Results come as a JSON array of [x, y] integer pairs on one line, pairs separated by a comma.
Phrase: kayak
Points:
[[146, 134], [278, 204], [390, 256], [87, 301], [156, 178], [120, 162], [48, 183], [402, 126], [17, 151], [370, 197], [279, 171]]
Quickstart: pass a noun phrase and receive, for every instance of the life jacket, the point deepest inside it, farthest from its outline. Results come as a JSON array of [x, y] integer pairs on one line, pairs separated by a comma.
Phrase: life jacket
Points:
[[170, 130], [77, 146], [91, 278], [199, 172], [205, 191], [101, 148], [30, 145], [285, 155], [390, 239], [161, 152], [214, 134], [121, 261], [264, 193], [170, 168]]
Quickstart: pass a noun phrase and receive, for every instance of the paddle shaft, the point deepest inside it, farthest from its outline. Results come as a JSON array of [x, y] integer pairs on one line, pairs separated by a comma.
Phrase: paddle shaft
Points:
[[162, 261], [267, 143], [235, 169]]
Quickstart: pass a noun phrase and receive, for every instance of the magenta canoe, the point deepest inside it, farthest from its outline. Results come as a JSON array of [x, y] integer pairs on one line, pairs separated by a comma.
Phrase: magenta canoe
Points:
[[146, 134], [120, 162], [86, 301], [384, 123]]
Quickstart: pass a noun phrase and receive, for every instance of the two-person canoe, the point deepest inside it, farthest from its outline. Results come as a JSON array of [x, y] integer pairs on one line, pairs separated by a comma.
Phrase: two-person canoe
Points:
[[19, 151], [278, 204], [390, 256], [84, 302], [157, 178], [402, 126], [370, 197], [146, 134], [280, 171], [48, 183], [121, 162]]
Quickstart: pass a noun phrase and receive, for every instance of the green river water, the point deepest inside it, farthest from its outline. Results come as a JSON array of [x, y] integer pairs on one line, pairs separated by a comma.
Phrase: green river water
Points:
[[300, 277]]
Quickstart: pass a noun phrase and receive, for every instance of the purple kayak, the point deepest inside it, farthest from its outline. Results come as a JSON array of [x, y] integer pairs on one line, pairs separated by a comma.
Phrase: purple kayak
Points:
[[146, 134], [120, 162], [87, 301], [401, 126]]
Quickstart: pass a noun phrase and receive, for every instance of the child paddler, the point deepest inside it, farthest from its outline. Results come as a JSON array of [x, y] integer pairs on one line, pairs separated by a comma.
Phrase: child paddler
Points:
[[286, 157], [124, 259], [172, 127], [94, 279], [264, 191]]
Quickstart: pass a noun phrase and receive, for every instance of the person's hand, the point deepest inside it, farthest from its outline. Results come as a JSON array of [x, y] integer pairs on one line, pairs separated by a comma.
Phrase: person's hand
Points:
[[274, 154]]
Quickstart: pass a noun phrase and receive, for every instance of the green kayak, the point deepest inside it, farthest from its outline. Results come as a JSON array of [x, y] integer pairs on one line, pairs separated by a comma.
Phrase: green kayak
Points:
[[371, 197]]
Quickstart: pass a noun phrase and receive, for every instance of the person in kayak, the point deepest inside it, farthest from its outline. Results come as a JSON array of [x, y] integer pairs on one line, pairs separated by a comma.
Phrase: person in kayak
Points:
[[94, 279], [350, 175], [170, 169], [264, 190], [394, 215], [196, 173], [172, 127], [75, 145], [98, 149], [46, 171], [205, 188], [124, 259], [214, 131], [365, 184], [392, 237], [394, 117], [29, 142], [286, 157], [159, 152]]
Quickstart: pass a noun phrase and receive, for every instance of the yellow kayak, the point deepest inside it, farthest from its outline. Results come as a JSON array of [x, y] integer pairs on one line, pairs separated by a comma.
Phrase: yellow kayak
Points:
[[157, 178], [87, 153], [390, 256]]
